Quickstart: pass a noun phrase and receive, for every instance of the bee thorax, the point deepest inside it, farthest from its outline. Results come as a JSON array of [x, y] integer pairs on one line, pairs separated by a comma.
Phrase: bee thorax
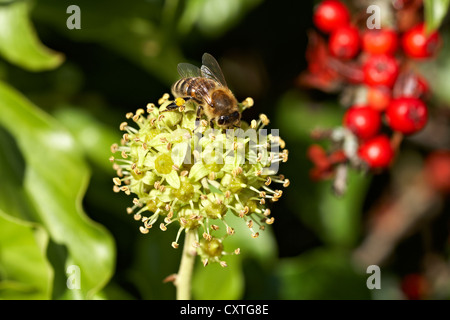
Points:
[[222, 100]]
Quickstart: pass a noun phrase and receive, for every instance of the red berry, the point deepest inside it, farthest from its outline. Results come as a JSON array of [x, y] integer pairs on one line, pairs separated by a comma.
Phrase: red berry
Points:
[[363, 121], [410, 84], [422, 86], [317, 174], [376, 152], [378, 97], [414, 286], [318, 156], [380, 41], [344, 42], [417, 44], [331, 14], [437, 170], [380, 70], [337, 157], [407, 115]]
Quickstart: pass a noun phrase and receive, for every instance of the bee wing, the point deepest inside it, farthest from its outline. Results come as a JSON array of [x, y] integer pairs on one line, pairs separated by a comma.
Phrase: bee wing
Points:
[[204, 93], [187, 70], [211, 69]]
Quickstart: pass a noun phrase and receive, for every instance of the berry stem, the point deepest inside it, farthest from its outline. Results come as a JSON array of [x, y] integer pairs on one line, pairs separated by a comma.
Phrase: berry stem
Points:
[[340, 180], [396, 140], [184, 276]]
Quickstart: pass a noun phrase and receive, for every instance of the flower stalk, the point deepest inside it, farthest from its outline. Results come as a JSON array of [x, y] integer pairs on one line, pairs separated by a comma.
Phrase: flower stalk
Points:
[[184, 276]]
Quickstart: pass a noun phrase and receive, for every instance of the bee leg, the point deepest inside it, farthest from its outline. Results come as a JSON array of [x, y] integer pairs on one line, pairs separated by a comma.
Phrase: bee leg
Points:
[[171, 107], [211, 123], [174, 106], [199, 112], [197, 119]]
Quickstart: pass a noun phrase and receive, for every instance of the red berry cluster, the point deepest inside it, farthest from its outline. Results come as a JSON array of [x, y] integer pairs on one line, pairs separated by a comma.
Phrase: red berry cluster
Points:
[[380, 63]]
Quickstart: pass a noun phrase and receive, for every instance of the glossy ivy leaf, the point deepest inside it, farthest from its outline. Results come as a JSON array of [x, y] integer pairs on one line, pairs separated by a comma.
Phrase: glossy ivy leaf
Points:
[[22, 243], [153, 259], [213, 17], [437, 73], [300, 116], [341, 216], [435, 11], [214, 189], [92, 135], [55, 179], [13, 198], [18, 41], [263, 248], [321, 274], [215, 282], [25, 272]]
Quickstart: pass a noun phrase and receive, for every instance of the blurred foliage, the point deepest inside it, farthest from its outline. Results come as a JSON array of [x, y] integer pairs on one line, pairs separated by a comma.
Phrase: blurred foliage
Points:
[[435, 11], [321, 274], [60, 109], [21, 46]]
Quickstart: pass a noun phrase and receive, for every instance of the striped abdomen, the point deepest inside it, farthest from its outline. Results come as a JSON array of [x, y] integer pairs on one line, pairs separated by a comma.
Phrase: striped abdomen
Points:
[[196, 88]]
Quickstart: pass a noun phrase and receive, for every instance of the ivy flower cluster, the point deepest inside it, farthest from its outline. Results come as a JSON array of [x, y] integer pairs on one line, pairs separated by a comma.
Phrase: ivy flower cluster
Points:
[[183, 172]]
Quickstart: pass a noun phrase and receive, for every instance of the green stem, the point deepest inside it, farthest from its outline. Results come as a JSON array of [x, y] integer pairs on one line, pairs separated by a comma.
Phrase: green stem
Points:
[[184, 276]]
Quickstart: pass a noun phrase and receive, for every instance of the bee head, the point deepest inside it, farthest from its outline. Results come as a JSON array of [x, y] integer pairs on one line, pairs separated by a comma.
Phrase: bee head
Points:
[[229, 120]]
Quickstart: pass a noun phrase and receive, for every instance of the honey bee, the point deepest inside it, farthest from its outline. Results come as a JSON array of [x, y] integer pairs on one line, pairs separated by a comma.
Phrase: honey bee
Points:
[[208, 88]]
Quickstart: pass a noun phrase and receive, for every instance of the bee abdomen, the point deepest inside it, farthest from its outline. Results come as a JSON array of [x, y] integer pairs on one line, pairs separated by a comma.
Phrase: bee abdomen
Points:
[[189, 87], [179, 88]]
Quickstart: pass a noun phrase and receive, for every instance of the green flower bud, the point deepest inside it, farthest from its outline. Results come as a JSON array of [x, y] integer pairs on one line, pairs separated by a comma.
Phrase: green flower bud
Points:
[[185, 193], [163, 164]]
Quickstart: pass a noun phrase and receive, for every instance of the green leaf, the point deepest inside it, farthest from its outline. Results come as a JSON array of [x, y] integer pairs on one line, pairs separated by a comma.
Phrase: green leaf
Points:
[[299, 115], [215, 282], [24, 270], [437, 73], [263, 248], [435, 11], [19, 43], [214, 189], [55, 180], [92, 135], [13, 198], [152, 260], [213, 17], [340, 217], [321, 274], [22, 244]]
